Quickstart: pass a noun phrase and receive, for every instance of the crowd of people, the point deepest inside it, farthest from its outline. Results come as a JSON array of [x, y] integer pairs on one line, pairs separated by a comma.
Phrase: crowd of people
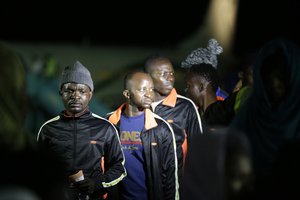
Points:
[[204, 144]]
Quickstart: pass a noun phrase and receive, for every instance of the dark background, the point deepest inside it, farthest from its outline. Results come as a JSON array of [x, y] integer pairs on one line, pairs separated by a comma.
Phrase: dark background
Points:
[[149, 23], [259, 21], [157, 24], [142, 23]]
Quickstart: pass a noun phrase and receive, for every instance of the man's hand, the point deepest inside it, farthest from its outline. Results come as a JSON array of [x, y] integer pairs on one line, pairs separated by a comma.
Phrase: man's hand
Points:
[[86, 186]]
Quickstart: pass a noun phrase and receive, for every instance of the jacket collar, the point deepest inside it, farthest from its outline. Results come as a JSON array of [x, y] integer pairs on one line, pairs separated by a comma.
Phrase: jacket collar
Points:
[[150, 121], [83, 115], [170, 100]]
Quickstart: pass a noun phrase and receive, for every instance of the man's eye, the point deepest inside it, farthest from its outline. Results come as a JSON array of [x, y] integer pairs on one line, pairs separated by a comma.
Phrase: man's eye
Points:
[[82, 91], [68, 91], [165, 74]]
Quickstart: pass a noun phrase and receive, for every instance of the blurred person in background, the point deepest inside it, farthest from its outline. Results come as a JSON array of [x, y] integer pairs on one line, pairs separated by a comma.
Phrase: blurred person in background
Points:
[[219, 167], [27, 168], [270, 116]]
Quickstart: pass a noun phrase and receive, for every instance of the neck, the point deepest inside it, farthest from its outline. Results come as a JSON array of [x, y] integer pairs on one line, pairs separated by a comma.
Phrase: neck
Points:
[[68, 113], [158, 97], [208, 100], [133, 110]]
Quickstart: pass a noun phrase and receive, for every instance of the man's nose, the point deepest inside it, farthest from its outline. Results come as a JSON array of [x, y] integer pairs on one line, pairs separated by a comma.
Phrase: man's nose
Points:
[[75, 94], [149, 93]]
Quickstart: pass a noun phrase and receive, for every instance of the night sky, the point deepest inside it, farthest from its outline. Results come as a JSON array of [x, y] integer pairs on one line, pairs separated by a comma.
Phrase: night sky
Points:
[[146, 23], [149, 23], [259, 21]]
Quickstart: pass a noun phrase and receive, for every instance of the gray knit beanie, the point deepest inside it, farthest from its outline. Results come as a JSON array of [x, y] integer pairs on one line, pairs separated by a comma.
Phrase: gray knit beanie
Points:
[[206, 55], [77, 73]]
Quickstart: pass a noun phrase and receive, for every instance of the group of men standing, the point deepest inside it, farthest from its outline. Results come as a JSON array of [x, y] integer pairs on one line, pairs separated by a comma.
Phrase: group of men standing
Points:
[[137, 151]]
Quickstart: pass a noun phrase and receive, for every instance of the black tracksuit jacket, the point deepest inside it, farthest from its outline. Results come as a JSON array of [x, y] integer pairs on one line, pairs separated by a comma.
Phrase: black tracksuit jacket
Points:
[[82, 142], [159, 148]]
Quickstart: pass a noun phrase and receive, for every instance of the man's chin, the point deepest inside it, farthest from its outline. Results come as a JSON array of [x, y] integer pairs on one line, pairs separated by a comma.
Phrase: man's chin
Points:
[[76, 111], [168, 90], [146, 106]]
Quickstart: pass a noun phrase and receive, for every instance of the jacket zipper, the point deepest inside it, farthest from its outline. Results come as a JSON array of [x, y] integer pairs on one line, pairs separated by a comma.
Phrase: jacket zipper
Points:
[[75, 143]]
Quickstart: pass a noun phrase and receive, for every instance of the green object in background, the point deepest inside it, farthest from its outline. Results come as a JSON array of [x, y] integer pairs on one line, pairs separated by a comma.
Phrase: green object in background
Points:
[[241, 97]]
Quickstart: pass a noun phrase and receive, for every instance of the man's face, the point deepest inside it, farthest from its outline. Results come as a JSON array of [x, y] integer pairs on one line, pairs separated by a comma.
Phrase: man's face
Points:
[[162, 73], [76, 97], [276, 84], [141, 91], [196, 88]]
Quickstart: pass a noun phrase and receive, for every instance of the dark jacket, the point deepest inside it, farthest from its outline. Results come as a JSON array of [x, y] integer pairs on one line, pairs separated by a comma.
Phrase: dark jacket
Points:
[[160, 155], [82, 142], [182, 114], [219, 113]]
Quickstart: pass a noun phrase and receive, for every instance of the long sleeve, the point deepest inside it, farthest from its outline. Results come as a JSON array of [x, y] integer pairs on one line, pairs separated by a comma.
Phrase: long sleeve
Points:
[[169, 165], [114, 170]]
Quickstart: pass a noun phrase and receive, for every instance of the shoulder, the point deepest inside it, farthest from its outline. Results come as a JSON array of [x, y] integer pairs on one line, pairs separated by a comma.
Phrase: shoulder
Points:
[[186, 103], [185, 100], [104, 122], [51, 121], [45, 126]]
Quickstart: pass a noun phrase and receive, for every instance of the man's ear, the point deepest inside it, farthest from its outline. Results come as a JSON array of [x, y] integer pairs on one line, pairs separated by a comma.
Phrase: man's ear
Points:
[[91, 95], [201, 87], [126, 94]]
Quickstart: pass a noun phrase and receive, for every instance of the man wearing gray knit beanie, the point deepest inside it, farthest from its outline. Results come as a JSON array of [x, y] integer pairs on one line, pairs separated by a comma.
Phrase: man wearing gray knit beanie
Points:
[[83, 140], [77, 73]]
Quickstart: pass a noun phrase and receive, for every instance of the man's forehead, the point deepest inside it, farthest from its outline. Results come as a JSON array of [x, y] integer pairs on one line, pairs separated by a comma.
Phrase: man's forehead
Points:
[[162, 67], [161, 62], [74, 85], [196, 77], [145, 80]]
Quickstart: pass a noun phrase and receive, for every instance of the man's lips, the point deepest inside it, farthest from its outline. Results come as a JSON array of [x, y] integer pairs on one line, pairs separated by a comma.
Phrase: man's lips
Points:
[[148, 101], [74, 104], [169, 86]]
